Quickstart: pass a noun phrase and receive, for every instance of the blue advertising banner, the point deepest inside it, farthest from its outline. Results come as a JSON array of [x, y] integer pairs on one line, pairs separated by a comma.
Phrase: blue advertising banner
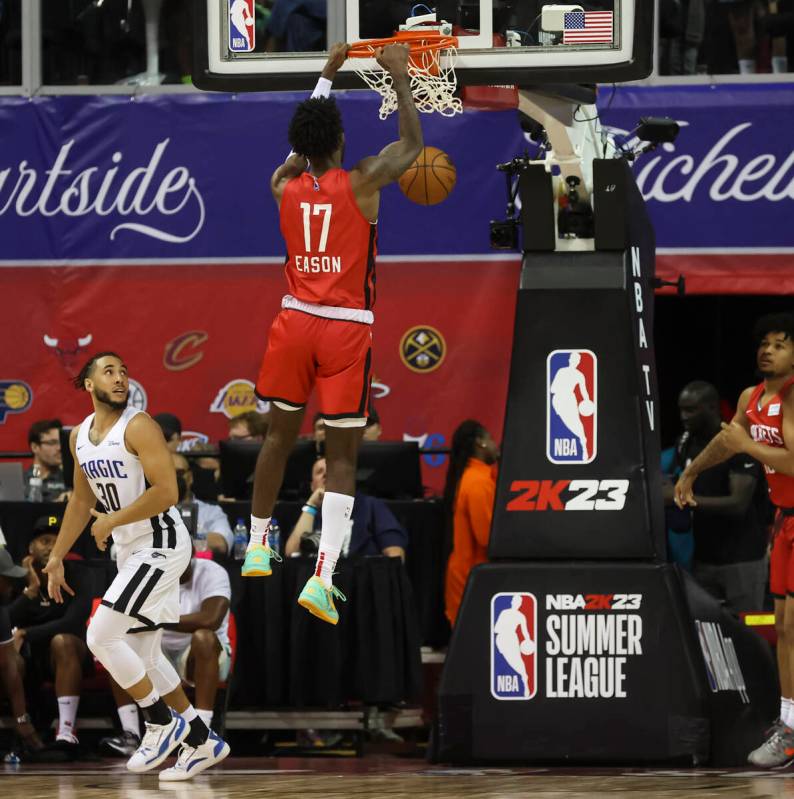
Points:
[[728, 181], [185, 177], [188, 176]]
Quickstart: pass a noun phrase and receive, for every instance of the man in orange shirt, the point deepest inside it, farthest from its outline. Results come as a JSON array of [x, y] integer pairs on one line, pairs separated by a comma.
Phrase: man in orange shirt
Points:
[[469, 496]]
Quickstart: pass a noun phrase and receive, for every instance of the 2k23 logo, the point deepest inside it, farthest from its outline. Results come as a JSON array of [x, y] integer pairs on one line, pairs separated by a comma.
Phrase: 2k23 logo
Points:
[[543, 495]]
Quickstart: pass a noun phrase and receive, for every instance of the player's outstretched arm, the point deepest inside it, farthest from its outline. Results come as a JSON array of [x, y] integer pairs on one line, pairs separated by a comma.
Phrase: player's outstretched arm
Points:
[[296, 164], [143, 438], [373, 173], [75, 518], [717, 451]]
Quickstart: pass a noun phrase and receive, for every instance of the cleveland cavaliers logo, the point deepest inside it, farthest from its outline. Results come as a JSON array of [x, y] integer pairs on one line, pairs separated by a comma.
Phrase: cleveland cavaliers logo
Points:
[[184, 351], [423, 349]]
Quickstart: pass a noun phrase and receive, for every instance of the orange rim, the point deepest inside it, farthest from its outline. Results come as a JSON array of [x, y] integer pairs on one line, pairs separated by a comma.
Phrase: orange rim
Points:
[[418, 41]]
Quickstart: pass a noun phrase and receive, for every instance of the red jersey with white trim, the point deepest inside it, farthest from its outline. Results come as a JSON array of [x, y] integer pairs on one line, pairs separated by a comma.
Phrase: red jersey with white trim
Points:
[[766, 427], [331, 246]]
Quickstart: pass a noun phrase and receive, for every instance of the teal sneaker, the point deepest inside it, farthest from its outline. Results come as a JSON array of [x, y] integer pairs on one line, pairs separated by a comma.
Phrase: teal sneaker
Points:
[[318, 599], [257, 561]]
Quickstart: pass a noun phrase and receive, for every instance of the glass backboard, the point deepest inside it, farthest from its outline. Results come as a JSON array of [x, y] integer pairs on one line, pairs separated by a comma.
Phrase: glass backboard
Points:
[[242, 46]]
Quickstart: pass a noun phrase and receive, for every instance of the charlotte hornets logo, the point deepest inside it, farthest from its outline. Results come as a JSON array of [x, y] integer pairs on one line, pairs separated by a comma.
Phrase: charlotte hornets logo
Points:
[[514, 621], [571, 406]]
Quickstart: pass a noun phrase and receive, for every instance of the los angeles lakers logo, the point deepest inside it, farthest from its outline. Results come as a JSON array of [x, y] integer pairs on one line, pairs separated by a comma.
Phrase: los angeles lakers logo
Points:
[[423, 349], [15, 397], [237, 397]]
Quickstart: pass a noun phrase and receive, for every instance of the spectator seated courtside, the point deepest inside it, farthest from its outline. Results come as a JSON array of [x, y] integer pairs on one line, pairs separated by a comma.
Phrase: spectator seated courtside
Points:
[[373, 528], [45, 444], [50, 636]]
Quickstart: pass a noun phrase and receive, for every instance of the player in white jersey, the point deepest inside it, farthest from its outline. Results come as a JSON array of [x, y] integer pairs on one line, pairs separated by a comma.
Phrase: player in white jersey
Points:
[[121, 459]]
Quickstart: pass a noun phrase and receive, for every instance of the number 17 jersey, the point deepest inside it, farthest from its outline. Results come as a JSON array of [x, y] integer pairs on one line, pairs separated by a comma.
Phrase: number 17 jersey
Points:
[[331, 246]]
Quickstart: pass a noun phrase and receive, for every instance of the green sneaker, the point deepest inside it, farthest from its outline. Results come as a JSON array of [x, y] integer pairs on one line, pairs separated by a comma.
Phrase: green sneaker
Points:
[[318, 599], [257, 561]]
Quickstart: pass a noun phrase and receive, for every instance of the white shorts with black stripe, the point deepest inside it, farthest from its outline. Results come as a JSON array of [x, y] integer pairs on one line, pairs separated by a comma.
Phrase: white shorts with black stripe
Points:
[[146, 587]]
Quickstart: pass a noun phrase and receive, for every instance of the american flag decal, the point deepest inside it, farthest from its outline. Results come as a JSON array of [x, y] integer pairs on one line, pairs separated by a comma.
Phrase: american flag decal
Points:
[[587, 27]]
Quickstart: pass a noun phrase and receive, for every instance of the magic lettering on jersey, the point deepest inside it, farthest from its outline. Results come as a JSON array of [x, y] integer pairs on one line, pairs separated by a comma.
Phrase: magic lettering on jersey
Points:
[[98, 468]]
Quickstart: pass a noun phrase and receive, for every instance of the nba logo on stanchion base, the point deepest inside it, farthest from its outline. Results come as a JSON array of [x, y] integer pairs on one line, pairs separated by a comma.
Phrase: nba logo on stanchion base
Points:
[[571, 406], [241, 26], [513, 646]]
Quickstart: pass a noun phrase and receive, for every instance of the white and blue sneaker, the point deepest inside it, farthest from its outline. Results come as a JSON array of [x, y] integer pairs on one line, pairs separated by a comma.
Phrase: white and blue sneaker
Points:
[[158, 742], [193, 760]]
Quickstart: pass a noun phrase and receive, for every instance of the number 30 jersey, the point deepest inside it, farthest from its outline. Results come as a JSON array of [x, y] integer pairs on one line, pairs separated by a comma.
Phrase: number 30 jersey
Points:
[[331, 246], [116, 477]]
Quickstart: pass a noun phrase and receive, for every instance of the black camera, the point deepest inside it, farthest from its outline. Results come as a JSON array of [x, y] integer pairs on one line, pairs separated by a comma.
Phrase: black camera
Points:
[[504, 234]]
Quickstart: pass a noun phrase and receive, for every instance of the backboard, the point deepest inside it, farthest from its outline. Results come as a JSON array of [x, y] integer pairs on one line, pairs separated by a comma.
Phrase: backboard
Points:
[[238, 47]]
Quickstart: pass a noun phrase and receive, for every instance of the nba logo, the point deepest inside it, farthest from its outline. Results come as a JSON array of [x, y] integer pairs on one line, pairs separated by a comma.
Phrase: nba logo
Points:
[[241, 26], [514, 620], [571, 406]]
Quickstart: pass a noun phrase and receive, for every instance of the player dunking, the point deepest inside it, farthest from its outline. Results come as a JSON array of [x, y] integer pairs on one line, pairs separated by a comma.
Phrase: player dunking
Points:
[[322, 336], [121, 459], [763, 427]]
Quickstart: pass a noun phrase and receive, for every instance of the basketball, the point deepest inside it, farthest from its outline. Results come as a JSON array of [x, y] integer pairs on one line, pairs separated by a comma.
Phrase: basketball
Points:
[[527, 647], [430, 178], [586, 408]]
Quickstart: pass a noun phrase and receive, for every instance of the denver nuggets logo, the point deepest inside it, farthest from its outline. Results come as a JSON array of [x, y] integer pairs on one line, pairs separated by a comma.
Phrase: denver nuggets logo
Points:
[[237, 397], [423, 349], [183, 351], [15, 397]]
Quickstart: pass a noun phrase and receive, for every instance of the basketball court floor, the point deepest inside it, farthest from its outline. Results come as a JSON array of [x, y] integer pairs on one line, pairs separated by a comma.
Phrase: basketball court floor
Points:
[[288, 778]]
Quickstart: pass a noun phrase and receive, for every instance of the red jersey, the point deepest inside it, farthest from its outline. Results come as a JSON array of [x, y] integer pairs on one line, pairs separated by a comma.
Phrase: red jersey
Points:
[[331, 246], [766, 427]]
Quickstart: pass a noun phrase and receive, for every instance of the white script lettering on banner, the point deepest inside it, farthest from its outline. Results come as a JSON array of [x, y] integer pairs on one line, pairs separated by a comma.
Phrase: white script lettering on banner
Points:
[[150, 193], [723, 175]]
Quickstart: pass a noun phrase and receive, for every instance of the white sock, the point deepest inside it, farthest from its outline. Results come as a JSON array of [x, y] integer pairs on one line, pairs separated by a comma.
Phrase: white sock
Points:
[[258, 531], [205, 716], [746, 66], [149, 699], [779, 64], [130, 721], [189, 713], [337, 509], [67, 715], [789, 718]]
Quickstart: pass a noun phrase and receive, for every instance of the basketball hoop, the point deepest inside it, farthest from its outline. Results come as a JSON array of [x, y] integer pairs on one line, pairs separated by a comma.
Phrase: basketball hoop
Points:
[[433, 84]]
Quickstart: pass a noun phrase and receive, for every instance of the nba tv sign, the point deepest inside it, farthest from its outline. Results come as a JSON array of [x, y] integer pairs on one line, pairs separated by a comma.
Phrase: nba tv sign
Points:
[[514, 620], [571, 406]]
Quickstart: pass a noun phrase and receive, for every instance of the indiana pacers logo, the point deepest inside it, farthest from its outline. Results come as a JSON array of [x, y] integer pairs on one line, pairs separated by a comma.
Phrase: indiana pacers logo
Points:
[[15, 397], [423, 349]]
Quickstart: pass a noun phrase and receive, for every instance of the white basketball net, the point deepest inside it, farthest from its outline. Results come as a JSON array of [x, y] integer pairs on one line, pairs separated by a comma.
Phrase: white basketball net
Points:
[[432, 92]]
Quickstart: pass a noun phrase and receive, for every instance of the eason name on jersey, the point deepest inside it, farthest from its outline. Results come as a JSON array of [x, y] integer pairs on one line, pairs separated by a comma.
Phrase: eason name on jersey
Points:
[[318, 263], [556, 495]]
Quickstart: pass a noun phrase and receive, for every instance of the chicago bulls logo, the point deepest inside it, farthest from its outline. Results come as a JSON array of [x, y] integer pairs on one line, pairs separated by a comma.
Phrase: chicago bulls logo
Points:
[[67, 350]]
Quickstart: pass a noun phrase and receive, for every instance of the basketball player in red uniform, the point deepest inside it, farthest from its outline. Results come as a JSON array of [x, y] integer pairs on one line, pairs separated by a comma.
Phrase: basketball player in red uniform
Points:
[[323, 335], [763, 427]]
